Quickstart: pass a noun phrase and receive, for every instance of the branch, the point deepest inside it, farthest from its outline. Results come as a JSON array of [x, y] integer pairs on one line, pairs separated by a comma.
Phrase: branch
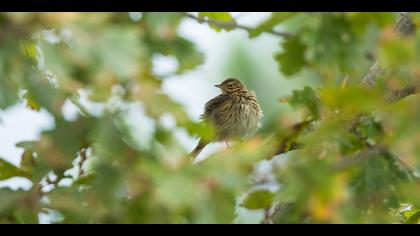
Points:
[[233, 24], [289, 142], [56, 181], [373, 73], [405, 27], [83, 158], [397, 95], [267, 216], [76, 101]]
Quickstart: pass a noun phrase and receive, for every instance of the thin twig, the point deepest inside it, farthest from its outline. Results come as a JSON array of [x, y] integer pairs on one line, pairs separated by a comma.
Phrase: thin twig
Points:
[[288, 143], [397, 95], [76, 101], [54, 182], [267, 216], [234, 24], [83, 158]]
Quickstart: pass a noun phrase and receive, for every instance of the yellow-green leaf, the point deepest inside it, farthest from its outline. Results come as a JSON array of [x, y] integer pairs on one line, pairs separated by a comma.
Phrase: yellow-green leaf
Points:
[[260, 199], [226, 20], [7, 170]]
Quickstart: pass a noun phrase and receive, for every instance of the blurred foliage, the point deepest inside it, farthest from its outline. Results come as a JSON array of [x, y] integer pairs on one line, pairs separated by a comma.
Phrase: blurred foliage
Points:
[[358, 158]]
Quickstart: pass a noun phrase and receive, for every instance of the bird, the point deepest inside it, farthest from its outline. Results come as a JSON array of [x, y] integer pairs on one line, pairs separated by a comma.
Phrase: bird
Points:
[[234, 114]]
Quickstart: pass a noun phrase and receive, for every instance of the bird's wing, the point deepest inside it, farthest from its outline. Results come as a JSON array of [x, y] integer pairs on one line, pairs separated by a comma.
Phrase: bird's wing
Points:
[[213, 105]]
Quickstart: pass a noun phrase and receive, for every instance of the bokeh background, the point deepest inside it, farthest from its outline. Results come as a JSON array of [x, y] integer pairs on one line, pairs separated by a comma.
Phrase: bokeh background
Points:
[[99, 111], [227, 54]]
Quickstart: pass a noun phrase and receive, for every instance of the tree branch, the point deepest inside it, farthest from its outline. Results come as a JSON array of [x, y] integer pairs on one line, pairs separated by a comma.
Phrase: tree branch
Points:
[[397, 95], [405, 27], [83, 158], [233, 24], [267, 216], [76, 101]]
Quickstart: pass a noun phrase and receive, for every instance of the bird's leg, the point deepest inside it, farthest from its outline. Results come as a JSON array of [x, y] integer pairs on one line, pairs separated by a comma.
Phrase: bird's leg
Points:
[[227, 144]]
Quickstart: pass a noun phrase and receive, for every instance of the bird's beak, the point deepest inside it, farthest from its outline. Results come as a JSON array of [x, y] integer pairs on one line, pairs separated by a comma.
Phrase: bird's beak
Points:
[[218, 86]]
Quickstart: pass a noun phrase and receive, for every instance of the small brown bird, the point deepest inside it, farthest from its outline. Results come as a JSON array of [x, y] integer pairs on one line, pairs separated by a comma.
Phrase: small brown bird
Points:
[[234, 114]]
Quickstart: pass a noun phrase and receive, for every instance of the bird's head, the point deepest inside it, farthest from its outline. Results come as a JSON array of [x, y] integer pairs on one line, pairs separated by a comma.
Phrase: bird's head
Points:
[[231, 85]]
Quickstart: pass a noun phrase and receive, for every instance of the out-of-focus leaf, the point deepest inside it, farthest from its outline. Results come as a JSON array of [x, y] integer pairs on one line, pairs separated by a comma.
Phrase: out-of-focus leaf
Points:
[[360, 20], [7, 196], [30, 49], [41, 93], [307, 99], [184, 51], [292, 59], [187, 54], [414, 219], [76, 206], [19, 206], [31, 103], [352, 99], [25, 216], [59, 147], [8, 170], [85, 179], [333, 47], [395, 51], [202, 130], [223, 17], [259, 199], [161, 37], [13, 70], [275, 19], [8, 92], [376, 177], [27, 145], [370, 128], [162, 27]]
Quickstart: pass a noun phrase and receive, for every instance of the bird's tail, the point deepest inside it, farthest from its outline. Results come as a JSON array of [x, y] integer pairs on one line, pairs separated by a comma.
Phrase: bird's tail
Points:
[[200, 146]]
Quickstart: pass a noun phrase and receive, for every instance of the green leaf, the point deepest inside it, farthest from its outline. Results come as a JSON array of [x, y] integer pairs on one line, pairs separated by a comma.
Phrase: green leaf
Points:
[[308, 99], [396, 51], [292, 59], [275, 19], [201, 129], [27, 145], [25, 216], [59, 147], [41, 92], [187, 55], [31, 103], [227, 22], [8, 170], [85, 179], [360, 20], [260, 199], [414, 219], [221, 16], [29, 47], [352, 99], [12, 71], [7, 199], [370, 128], [162, 38]]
